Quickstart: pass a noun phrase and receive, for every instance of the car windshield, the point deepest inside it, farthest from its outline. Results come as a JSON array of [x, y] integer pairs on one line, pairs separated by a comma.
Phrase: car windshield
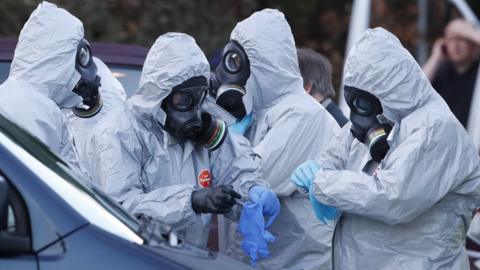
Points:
[[4, 70], [129, 77], [42, 153]]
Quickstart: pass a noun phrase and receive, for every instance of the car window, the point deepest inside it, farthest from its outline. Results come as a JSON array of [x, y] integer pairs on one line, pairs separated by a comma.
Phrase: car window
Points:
[[14, 221], [17, 217], [11, 222], [129, 77], [4, 70]]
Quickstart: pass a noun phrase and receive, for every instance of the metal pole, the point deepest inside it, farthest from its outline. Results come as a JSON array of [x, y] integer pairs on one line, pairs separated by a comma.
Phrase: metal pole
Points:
[[422, 25], [359, 22]]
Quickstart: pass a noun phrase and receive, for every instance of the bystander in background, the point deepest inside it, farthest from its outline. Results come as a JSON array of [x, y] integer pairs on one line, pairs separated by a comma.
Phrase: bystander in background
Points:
[[452, 66], [317, 80]]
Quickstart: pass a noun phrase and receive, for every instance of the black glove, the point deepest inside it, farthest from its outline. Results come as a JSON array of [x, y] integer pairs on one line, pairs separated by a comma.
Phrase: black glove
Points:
[[218, 200]]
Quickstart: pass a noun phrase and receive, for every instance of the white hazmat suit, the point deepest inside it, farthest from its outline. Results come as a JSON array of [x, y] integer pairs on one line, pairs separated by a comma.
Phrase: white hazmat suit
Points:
[[113, 96], [414, 211], [149, 171], [42, 77], [288, 128]]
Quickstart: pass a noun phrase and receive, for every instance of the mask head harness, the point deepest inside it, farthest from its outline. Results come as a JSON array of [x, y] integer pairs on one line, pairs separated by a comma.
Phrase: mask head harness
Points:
[[87, 86], [185, 119], [369, 126], [228, 82]]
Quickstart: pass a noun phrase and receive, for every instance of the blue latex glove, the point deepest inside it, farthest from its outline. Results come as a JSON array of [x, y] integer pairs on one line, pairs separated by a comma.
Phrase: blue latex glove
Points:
[[323, 212], [255, 236], [241, 126], [262, 203], [303, 177], [268, 200]]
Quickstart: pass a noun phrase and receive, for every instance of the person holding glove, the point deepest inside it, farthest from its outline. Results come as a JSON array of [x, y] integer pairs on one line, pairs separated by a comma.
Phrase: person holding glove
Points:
[[303, 178], [404, 172], [219, 200], [260, 84], [253, 224], [161, 156]]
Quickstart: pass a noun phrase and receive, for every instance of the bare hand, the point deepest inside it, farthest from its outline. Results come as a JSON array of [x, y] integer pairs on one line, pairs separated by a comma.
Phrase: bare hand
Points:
[[438, 52]]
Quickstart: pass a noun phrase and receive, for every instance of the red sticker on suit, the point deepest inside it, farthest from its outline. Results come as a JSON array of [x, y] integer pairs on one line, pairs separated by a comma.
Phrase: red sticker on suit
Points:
[[204, 178]]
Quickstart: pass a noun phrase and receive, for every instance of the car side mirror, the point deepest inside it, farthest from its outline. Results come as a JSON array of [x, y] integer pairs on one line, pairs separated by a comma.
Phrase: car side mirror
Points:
[[10, 242]]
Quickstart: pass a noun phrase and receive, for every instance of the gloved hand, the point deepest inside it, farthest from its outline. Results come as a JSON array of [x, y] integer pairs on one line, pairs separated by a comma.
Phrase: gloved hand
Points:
[[304, 175], [241, 126], [219, 200], [323, 212], [268, 200], [262, 203], [255, 236]]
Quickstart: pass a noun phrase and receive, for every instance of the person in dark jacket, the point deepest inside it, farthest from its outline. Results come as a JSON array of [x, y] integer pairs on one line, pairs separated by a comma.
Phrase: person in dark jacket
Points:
[[453, 66], [317, 80]]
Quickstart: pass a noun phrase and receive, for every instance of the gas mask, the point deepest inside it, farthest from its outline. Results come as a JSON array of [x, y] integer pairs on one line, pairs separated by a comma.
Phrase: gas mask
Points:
[[185, 119], [227, 84], [369, 126], [87, 86]]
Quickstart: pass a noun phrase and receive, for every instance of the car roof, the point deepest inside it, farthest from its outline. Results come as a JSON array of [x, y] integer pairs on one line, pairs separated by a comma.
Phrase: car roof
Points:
[[110, 53]]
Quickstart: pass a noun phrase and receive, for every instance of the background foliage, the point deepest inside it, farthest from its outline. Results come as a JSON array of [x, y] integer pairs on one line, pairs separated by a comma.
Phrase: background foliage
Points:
[[321, 25]]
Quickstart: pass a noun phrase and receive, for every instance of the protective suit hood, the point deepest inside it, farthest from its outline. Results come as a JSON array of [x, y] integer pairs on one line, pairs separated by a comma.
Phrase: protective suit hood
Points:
[[284, 116], [173, 59], [133, 160], [421, 196], [46, 52], [268, 42], [380, 65]]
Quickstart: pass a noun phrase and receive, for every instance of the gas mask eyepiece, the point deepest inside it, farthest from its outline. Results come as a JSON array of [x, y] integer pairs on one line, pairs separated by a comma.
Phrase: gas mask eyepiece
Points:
[[89, 83], [185, 119], [369, 126], [230, 78]]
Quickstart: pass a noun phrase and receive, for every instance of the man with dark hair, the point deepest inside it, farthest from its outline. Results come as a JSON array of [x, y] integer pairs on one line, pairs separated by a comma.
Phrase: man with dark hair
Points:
[[317, 80]]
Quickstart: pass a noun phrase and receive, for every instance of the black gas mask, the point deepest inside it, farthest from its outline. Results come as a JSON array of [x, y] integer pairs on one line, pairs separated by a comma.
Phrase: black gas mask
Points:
[[368, 124], [185, 119], [87, 86], [227, 83]]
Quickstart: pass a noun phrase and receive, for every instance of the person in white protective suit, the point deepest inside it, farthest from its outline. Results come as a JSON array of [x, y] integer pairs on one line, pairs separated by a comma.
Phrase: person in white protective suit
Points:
[[285, 127], [43, 78], [159, 160], [110, 95], [412, 208]]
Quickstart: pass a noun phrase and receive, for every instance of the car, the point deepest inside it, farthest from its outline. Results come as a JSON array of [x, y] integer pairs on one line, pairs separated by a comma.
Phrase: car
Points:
[[53, 218], [125, 61]]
